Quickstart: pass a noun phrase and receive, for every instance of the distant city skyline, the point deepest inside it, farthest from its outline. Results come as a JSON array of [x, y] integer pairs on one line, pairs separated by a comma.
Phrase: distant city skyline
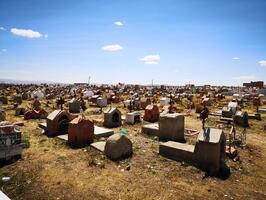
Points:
[[173, 42]]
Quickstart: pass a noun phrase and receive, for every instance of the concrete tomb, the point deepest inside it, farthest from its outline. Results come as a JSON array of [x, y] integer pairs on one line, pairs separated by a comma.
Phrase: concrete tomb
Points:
[[164, 101], [112, 118], [101, 102], [10, 141], [172, 127], [241, 118], [144, 102], [74, 106], [80, 132], [118, 147], [133, 118], [227, 112], [57, 123], [208, 153], [152, 113]]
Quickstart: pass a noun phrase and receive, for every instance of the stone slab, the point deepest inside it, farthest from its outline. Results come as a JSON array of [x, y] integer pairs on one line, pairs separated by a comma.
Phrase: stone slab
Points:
[[63, 137], [151, 129], [102, 132], [210, 135], [99, 146], [177, 151], [43, 125], [98, 132]]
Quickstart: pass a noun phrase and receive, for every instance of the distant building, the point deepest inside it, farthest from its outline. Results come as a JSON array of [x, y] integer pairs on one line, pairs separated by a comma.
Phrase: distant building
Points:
[[257, 84]]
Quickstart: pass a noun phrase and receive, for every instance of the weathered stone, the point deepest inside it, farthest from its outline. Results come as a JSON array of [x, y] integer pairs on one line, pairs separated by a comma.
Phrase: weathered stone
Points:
[[112, 118], [241, 119], [172, 127], [118, 147], [208, 153], [152, 113], [74, 106], [133, 118]]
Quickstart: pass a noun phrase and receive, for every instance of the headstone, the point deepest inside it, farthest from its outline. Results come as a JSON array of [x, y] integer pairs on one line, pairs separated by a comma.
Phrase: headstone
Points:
[[10, 141], [118, 147], [101, 102], [172, 127], [80, 132], [74, 106], [233, 106], [133, 118], [112, 118], [208, 153], [152, 113], [164, 101], [241, 118], [227, 112], [57, 123]]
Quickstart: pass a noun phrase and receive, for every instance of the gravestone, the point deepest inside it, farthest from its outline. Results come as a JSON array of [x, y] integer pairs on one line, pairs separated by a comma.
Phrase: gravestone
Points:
[[152, 113], [133, 118], [112, 118], [101, 102], [80, 132], [227, 112], [241, 118], [118, 147], [172, 127], [208, 153], [74, 106]]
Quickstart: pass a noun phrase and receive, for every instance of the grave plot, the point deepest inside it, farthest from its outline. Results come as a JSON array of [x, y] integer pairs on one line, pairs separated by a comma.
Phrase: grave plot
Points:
[[74, 106], [170, 127], [208, 153], [112, 118], [116, 147], [11, 145]]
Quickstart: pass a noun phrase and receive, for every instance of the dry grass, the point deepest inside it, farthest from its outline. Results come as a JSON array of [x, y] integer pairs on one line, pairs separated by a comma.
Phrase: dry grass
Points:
[[49, 169]]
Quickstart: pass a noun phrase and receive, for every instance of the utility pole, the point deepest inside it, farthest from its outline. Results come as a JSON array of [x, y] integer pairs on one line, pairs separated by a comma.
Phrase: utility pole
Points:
[[89, 80]]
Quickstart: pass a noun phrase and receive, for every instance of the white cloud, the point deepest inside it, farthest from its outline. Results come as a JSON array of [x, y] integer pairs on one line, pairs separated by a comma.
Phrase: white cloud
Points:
[[151, 59], [262, 63], [119, 23], [26, 33], [236, 58], [3, 50], [45, 36], [112, 47], [2, 28], [245, 77]]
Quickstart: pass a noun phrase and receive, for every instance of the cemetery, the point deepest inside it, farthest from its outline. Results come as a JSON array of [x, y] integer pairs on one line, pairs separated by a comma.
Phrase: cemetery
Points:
[[132, 100], [219, 142]]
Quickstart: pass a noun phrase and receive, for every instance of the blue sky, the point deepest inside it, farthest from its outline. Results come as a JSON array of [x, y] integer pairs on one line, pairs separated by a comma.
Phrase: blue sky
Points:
[[170, 41]]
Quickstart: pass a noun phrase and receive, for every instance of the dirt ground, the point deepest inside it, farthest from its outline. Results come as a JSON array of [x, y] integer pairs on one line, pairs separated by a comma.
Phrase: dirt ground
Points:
[[50, 169]]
